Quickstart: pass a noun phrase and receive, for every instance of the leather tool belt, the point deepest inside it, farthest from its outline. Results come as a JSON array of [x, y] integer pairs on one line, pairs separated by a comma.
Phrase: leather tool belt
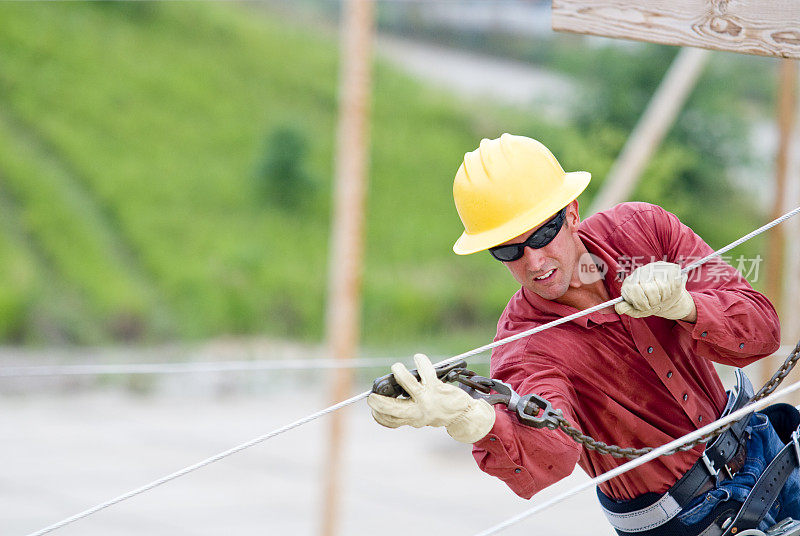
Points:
[[722, 458]]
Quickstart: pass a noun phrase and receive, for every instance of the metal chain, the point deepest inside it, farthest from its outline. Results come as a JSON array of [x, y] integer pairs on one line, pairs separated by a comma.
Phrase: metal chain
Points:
[[631, 453], [628, 452], [782, 372]]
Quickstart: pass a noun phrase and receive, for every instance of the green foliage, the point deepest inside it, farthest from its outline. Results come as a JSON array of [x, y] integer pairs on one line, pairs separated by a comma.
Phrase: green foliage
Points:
[[131, 158], [135, 170], [282, 176]]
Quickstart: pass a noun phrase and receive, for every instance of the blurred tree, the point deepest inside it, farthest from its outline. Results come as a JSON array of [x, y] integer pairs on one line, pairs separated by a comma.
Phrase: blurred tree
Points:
[[282, 176]]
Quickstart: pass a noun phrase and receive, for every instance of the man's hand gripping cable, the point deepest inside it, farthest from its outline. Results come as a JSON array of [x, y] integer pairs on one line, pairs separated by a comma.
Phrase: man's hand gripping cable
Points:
[[531, 410]]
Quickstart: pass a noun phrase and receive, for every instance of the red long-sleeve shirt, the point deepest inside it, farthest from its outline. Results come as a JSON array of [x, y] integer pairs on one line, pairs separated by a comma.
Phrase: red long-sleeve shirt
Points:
[[625, 381]]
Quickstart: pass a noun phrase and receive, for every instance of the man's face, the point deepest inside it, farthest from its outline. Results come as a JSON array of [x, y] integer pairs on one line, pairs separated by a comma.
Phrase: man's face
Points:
[[548, 271]]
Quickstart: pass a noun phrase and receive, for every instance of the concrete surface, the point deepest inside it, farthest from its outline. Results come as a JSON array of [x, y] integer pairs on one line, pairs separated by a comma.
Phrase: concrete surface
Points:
[[63, 453]]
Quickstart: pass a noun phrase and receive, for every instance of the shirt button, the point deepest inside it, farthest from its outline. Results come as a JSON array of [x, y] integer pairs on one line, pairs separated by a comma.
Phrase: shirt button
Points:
[[649, 349], [704, 334], [669, 374], [492, 439], [685, 398], [517, 470], [700, 418], [741, 346]]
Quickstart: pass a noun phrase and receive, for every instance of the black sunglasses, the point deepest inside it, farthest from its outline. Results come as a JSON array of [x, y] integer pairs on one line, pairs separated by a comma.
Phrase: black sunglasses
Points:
[[543, 236]]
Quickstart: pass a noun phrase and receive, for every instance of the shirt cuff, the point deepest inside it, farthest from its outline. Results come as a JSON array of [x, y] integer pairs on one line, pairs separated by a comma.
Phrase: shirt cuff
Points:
[[517, 477], [710, 330], [706, 327]]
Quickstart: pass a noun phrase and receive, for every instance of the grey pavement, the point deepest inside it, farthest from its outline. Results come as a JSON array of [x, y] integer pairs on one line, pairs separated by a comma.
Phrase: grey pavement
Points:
[[63, 453]]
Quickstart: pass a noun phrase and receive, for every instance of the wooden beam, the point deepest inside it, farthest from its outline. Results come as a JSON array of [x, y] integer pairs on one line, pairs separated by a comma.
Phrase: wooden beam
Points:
[[654, 124], [762, 27]]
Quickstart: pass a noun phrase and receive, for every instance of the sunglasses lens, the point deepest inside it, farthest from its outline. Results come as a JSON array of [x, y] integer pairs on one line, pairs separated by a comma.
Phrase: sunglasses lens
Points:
[[543, 236], [507, 253]]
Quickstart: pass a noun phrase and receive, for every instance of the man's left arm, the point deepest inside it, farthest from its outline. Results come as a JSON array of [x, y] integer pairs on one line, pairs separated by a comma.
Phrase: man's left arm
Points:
[[730, 322], [734, 325]]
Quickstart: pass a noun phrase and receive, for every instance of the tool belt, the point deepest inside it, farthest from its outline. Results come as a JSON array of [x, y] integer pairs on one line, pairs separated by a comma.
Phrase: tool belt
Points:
[[721, 459]]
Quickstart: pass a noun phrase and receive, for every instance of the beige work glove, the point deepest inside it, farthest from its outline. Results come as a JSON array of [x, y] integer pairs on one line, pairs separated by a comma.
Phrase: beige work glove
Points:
[[433, 403], [657, 289]]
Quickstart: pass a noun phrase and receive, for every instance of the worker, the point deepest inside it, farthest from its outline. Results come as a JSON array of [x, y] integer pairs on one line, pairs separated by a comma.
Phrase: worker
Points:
[[638, 374]]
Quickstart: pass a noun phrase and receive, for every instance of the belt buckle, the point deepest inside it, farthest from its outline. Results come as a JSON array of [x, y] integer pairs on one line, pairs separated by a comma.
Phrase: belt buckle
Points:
[[714, 472], [710, 466]]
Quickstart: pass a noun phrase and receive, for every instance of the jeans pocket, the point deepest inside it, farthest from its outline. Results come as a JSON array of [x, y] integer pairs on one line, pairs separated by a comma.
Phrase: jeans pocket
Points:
[[699, 508], [761, 422]]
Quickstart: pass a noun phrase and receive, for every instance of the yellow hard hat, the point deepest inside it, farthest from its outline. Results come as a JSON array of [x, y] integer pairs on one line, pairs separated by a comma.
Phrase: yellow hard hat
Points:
[[508, 186]]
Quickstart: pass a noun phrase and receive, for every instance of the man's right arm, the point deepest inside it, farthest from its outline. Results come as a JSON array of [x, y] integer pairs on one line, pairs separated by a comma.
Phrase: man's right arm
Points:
[[528, 459]]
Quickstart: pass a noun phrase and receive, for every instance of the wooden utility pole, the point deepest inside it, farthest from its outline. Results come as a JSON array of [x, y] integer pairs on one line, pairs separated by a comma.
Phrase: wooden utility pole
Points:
[[790, 305], [667, 102], [787, 108], [343, 315], [776, 239], [787, 99]]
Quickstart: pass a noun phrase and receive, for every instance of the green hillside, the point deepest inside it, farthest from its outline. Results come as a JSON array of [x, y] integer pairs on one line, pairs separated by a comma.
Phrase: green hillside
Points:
[[130, 143], [133, 203]]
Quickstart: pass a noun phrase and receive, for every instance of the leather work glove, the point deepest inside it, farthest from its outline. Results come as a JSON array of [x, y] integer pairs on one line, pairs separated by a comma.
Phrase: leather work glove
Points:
[[433, 403], [657, 289]]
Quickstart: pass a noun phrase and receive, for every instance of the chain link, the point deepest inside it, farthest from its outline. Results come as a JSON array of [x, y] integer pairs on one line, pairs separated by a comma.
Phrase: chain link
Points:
[[631, 453]]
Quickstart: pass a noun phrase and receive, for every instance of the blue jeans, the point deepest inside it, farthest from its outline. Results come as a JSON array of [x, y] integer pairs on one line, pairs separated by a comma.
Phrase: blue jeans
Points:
[[763, 445]]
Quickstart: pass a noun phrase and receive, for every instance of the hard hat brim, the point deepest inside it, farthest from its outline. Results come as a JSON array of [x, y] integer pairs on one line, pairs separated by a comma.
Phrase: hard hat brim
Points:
[[573, 184]]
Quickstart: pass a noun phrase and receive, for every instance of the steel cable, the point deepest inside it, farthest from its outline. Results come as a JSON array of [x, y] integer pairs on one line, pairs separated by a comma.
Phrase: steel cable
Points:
[[632, 464], [198, 465], [190, 367]]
